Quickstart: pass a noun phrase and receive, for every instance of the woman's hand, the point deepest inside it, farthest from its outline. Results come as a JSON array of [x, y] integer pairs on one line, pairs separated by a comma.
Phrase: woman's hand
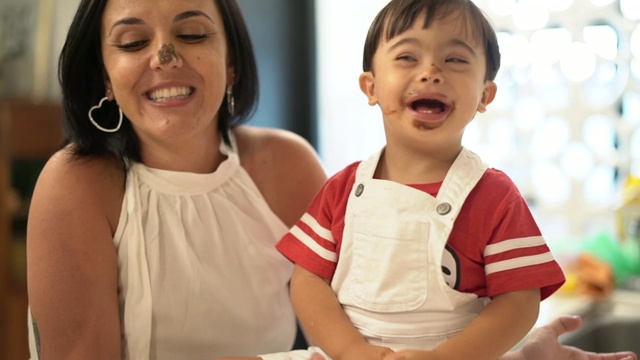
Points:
[[544, 345], [412, 355], [365, 351]]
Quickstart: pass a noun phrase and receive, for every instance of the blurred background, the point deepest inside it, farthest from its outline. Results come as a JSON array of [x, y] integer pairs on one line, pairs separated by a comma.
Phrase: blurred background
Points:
[[564, 124]]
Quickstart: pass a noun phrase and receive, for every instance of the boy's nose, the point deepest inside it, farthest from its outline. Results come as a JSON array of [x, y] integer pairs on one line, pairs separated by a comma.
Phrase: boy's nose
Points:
[[432, 73]]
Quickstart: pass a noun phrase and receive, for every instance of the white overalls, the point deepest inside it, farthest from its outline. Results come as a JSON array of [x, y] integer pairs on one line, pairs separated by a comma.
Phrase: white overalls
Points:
[[389, 276]]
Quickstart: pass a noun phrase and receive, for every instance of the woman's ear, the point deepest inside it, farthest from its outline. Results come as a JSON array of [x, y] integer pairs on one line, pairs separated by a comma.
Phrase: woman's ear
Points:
[[367, 86], [488, 94], [231, 71], [108, 91], [231, 76]]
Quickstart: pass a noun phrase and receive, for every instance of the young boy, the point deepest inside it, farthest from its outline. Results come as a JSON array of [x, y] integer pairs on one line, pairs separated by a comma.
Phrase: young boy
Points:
[[421, 251]]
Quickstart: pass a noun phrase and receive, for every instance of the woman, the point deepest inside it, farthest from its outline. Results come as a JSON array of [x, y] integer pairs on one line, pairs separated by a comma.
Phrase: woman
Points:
[[151, 233], [157, 237]]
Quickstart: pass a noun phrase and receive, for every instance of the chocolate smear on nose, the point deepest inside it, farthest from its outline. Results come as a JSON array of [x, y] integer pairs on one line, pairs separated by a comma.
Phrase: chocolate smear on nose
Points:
[[166, 53]]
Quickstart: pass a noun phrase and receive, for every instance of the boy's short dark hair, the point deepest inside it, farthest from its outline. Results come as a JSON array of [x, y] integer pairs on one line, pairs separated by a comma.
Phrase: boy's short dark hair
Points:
[[399, 15]]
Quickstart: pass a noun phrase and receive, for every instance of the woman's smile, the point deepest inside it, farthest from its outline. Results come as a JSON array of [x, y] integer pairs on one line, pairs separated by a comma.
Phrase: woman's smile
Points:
[[167, 94]]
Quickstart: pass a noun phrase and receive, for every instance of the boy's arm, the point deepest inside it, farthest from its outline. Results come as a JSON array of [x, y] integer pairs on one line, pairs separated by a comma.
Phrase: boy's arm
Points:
[[324, 320], [498, 327]]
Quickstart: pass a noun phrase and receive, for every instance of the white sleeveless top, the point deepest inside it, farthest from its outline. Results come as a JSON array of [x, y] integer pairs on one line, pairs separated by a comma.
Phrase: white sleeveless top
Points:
[[199, 275]]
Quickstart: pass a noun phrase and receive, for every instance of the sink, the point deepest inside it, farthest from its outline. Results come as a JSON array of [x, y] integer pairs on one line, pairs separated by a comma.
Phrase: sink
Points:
[[606, 334], [609, 326]]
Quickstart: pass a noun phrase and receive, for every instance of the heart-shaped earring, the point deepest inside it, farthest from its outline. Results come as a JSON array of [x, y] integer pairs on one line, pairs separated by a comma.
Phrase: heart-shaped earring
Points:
[[97, 125]]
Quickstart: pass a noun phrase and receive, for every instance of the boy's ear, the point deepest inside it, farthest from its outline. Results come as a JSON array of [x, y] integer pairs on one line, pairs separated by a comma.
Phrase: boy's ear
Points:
[[368, 87], [488, 94]]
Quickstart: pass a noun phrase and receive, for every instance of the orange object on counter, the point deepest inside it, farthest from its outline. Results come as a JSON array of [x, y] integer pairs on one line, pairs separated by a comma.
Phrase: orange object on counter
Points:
[[595, 277]]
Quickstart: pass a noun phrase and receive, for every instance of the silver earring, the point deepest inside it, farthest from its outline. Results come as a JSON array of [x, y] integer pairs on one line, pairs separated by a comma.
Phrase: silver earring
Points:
[[231, 104], [97, 125]]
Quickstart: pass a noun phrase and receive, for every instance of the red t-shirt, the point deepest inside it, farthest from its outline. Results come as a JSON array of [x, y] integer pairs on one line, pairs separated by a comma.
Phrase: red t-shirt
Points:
[[494, 215]]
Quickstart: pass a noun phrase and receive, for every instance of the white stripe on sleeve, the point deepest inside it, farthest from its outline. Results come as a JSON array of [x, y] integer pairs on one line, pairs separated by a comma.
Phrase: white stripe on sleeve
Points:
[[513, 244], [520, 262], [317, 228], [313, 245]]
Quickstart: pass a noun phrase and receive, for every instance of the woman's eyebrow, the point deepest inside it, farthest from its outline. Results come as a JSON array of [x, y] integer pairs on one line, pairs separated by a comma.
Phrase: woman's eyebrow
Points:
[[179, 17], [189, 14], [126, 21]]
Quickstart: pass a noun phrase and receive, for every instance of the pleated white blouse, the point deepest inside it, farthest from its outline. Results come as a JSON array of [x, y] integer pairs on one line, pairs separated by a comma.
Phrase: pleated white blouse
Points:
[[199, 275]]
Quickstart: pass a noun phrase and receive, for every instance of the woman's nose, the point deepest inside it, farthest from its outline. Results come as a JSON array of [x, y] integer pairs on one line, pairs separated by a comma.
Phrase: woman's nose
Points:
[[166, 57]]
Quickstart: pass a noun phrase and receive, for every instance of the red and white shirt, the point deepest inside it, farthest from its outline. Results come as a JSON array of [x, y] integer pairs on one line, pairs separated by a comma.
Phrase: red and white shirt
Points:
[[495, 245]]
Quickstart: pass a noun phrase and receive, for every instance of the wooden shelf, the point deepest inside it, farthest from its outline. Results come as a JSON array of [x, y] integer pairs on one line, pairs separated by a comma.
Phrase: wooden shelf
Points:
[[28, 131]]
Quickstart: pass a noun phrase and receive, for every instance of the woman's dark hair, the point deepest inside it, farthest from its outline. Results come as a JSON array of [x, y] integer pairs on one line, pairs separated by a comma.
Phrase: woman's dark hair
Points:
[[81, 76], [399, 15]]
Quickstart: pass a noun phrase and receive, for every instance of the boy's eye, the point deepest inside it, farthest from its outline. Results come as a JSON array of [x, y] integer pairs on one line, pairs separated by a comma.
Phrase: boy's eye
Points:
[[406, 58], [133, 45], [456, 60]]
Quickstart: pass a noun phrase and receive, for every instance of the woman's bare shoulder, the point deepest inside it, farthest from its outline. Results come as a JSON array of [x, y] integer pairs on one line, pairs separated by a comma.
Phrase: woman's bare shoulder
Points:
[[81, 184], [95, 173], [254, 141], [284, 166]]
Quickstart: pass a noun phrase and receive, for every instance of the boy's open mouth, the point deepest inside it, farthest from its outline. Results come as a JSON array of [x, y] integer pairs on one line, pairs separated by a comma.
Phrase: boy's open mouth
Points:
[[429, 106]]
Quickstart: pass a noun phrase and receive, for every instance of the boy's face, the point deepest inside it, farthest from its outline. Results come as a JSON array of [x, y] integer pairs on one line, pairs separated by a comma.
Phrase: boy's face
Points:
[[429, 83]]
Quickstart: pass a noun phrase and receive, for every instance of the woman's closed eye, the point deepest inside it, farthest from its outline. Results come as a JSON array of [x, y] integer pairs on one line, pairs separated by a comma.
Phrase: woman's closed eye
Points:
[[139, 44], [133, 45], [193, 38]]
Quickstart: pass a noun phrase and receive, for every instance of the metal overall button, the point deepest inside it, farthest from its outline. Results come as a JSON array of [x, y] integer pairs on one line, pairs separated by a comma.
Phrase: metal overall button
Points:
[[359, 189], [443, 208]]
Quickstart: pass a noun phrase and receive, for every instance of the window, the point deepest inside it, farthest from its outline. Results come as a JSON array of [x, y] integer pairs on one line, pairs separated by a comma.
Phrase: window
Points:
[[564, 124]]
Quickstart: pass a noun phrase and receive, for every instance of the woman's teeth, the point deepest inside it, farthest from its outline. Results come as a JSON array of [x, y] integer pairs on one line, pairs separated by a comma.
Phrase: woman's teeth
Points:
[[169, 94]]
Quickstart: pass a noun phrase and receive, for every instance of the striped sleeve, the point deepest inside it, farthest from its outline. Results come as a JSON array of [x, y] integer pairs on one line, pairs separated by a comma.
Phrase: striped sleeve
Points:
[[517, 256], [533, 245], [314, 241]]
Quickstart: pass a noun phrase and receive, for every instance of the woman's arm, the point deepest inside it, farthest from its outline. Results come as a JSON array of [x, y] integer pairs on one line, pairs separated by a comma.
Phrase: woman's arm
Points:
[[71, 259]]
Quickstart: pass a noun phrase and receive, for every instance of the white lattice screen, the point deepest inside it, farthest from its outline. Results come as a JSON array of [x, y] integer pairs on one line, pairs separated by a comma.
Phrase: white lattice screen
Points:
[[565, 122]]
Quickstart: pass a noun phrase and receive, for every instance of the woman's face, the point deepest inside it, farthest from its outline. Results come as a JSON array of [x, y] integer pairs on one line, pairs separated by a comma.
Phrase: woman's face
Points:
[[173, 100]]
